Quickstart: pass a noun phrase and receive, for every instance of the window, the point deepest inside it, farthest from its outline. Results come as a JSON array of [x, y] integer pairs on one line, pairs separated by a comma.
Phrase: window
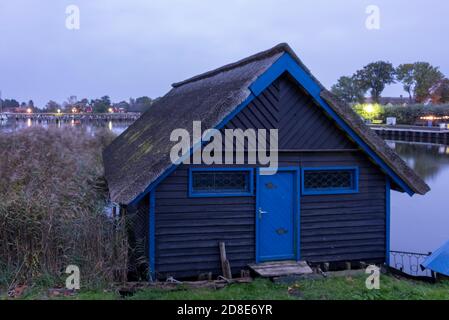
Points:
[[220, 182], [329, 180]]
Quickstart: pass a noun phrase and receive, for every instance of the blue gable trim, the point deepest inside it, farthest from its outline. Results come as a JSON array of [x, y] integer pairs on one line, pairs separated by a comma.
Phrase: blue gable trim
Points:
[[287, 64]]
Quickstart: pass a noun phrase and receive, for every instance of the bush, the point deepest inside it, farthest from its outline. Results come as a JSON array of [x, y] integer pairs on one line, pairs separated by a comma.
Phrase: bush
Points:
[[412, 114], [369, 111], [407, 115], [52, 207]]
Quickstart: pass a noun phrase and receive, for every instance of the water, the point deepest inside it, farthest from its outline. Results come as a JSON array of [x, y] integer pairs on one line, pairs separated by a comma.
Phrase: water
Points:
[[418, 223], [116, 127], [421, 223]]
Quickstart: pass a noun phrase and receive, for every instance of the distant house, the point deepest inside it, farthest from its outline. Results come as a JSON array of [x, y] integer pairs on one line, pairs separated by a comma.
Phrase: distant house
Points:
[[328, 202]]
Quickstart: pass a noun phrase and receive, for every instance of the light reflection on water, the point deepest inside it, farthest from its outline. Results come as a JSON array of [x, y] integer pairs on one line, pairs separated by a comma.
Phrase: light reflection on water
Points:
[[421, 223], [116, 127]]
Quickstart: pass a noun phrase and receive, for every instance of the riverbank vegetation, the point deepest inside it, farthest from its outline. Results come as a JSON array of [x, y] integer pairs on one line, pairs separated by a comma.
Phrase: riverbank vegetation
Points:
[[52, 209], [405, 115], [75, 105], [421, 81]]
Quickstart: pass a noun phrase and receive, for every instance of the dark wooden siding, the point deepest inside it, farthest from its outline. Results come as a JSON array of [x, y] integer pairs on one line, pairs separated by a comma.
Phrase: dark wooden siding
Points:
[[138, 254], [301, 123], [343, 227], [188, 229], [333, 227]]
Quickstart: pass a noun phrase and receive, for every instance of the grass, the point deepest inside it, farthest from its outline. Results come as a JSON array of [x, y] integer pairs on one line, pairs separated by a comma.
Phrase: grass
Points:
[[342, 288]]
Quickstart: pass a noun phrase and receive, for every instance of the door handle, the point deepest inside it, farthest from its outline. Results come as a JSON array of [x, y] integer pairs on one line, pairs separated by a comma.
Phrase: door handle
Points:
[[261, 212]]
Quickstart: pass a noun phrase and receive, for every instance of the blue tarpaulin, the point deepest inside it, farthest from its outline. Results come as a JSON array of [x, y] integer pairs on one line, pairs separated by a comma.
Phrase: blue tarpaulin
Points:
[[439, 260]]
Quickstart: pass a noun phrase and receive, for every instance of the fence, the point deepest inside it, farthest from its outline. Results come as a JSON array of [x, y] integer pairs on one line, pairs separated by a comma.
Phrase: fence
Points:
[[409, 264]]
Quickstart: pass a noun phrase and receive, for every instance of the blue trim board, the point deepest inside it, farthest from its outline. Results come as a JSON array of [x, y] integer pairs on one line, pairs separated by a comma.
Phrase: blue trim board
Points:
[[297, 214], [218, 194], [387, 220], [287, 64], [152, 235], [257, 214], [354, 189]]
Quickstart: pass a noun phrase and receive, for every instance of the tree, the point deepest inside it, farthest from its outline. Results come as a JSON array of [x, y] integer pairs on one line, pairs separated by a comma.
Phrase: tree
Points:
[[426, 77], [440, 94], [375, 76], [405, 75], [349, 90], [52, 106], [69, 104], [10, 104], [141, 104], [122, 105], [101, 105]]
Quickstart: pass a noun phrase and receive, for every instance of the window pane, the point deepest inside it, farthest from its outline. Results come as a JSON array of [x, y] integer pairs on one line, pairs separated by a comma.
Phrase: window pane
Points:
[[220, 181], [329, 179]]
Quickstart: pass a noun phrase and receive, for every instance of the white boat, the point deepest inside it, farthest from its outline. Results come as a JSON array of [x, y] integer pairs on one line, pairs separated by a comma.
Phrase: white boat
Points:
[[3, 117]]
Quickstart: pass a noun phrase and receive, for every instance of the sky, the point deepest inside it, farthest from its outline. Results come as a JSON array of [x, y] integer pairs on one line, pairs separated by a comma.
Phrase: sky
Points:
[[139, 47]]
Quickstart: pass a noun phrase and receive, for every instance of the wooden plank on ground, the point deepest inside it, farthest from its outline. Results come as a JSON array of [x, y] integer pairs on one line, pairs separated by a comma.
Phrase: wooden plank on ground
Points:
[[225, 266], [281, 268]]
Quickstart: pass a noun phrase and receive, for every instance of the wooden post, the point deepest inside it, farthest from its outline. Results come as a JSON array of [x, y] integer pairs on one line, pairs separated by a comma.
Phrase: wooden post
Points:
[[225, 266]]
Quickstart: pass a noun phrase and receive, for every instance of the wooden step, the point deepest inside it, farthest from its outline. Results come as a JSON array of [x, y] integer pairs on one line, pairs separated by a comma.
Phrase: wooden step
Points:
[[281, 268]]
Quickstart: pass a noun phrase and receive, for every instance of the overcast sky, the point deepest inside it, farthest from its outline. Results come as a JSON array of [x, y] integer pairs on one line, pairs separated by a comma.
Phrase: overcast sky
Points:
[[139, 47]]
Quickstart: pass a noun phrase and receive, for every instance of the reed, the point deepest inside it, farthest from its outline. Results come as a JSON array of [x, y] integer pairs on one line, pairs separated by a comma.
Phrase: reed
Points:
[[52, 208]]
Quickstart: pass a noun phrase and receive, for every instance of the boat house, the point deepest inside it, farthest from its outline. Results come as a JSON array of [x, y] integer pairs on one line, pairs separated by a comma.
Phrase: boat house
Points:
[[329, 200]]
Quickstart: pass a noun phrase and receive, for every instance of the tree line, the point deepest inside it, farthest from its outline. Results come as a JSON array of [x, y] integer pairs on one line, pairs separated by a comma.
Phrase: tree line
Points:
[[73, 104], [423, 82]]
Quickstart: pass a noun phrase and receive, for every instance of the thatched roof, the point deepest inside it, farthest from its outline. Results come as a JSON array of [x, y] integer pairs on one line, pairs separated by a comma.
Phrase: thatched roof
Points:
[[141, 155]]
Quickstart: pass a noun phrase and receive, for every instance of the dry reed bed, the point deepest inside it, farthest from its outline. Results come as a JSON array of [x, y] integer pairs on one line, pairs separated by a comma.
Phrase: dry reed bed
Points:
[[52, 198]]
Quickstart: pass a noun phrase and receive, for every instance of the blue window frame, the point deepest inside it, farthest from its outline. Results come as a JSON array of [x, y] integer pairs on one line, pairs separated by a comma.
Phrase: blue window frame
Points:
[[221, 182], [329, 180]]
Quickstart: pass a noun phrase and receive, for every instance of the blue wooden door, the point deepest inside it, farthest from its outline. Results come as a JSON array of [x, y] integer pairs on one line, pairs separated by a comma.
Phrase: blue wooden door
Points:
[[277, 216]]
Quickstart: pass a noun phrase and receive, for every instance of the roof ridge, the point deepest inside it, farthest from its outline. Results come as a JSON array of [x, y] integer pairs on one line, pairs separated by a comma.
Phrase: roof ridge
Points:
[[281, 47]]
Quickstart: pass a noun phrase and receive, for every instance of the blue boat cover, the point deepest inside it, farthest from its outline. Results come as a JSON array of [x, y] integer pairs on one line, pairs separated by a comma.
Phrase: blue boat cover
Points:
[[439, 260]]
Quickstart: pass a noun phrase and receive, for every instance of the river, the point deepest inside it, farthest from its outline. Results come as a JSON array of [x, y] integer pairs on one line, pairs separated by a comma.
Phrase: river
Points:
[[116, 127], [421, 223]]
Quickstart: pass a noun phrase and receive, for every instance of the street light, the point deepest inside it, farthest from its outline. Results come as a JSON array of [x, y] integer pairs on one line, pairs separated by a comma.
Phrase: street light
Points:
[[369, 108]]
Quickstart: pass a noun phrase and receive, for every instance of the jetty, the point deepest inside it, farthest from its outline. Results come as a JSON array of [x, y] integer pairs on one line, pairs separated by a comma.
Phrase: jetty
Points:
[[67, 117], [412, 133]]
